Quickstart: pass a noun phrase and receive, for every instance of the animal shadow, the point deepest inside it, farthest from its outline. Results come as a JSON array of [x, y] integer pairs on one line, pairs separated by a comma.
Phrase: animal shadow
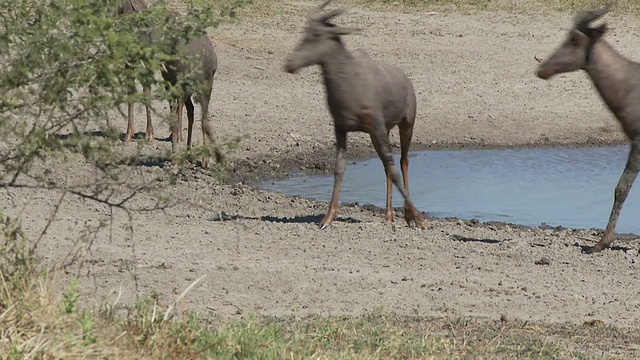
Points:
[[142, 135], [108, 135], [164, 139], [468, 239], [586, 249], [134, 160], [223, 216], [146, 161], [98, 133], [139, 136], [306, 219]]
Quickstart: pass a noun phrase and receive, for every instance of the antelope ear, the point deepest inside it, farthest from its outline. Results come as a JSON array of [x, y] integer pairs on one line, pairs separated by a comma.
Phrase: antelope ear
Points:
[[341, 30], [597, 32], [578, 38]]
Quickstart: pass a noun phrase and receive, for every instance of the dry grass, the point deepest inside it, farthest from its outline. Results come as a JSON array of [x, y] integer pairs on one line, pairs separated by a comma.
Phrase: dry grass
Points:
[[36, 325]]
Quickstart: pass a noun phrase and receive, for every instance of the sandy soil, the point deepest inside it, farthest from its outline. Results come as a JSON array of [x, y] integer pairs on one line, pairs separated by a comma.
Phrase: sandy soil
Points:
[[263, 253]]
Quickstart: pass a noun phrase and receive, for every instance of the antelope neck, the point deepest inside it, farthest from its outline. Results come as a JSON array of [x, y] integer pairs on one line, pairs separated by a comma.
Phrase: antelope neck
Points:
[[607, 69], [336, 70]]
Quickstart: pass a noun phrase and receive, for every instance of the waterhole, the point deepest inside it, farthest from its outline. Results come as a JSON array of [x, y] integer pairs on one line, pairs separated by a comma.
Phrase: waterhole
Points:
[[570, 187]]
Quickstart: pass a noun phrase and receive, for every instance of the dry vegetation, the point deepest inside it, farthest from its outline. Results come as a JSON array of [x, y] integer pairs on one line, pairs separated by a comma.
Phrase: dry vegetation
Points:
[[36, 325]]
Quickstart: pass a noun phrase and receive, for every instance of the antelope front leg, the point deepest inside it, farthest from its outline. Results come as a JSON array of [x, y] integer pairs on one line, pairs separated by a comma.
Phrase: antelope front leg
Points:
[[381, 144], [175, 126], [622, 190], [130, 129], [389, 215], [130, 107], [338, 173], [176, 131], [149, 132], [179, 126]]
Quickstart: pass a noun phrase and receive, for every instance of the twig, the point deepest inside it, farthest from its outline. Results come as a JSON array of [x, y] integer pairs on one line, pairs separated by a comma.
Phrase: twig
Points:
[[181, 296]]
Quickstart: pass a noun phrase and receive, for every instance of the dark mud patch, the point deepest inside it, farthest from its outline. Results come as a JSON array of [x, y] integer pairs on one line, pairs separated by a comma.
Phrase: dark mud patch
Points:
[[320, 161]]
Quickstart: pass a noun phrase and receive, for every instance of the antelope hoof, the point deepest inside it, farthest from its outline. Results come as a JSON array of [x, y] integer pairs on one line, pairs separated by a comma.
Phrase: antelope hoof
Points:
[[205, 162], [389, 217], [419, 223], [326, 222], [170, 138], [594, 249], [413, 215], [328, 219]]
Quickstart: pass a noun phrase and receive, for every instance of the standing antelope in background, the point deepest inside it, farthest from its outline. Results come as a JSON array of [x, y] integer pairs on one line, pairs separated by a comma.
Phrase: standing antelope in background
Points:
[[199, 65], [617, 79], [363, 95], [127, 7]]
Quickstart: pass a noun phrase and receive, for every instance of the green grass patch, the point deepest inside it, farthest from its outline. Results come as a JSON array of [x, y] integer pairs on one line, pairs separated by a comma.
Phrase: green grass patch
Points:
[[380, 336]]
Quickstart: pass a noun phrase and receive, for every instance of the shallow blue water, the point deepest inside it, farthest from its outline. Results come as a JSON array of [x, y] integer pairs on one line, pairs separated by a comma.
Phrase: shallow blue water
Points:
[[572, 187]]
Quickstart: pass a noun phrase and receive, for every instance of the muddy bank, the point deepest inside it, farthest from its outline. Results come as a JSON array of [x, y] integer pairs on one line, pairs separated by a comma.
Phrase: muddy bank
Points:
[[255, 169]]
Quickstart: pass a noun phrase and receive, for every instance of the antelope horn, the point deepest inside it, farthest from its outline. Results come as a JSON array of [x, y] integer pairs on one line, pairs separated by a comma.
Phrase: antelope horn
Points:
[[322, 17], [316, 10], [323, 5], [583, 18]]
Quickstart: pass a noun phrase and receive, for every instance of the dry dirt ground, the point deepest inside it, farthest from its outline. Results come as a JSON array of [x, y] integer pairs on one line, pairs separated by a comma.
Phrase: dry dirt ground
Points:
[[263, 253]]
